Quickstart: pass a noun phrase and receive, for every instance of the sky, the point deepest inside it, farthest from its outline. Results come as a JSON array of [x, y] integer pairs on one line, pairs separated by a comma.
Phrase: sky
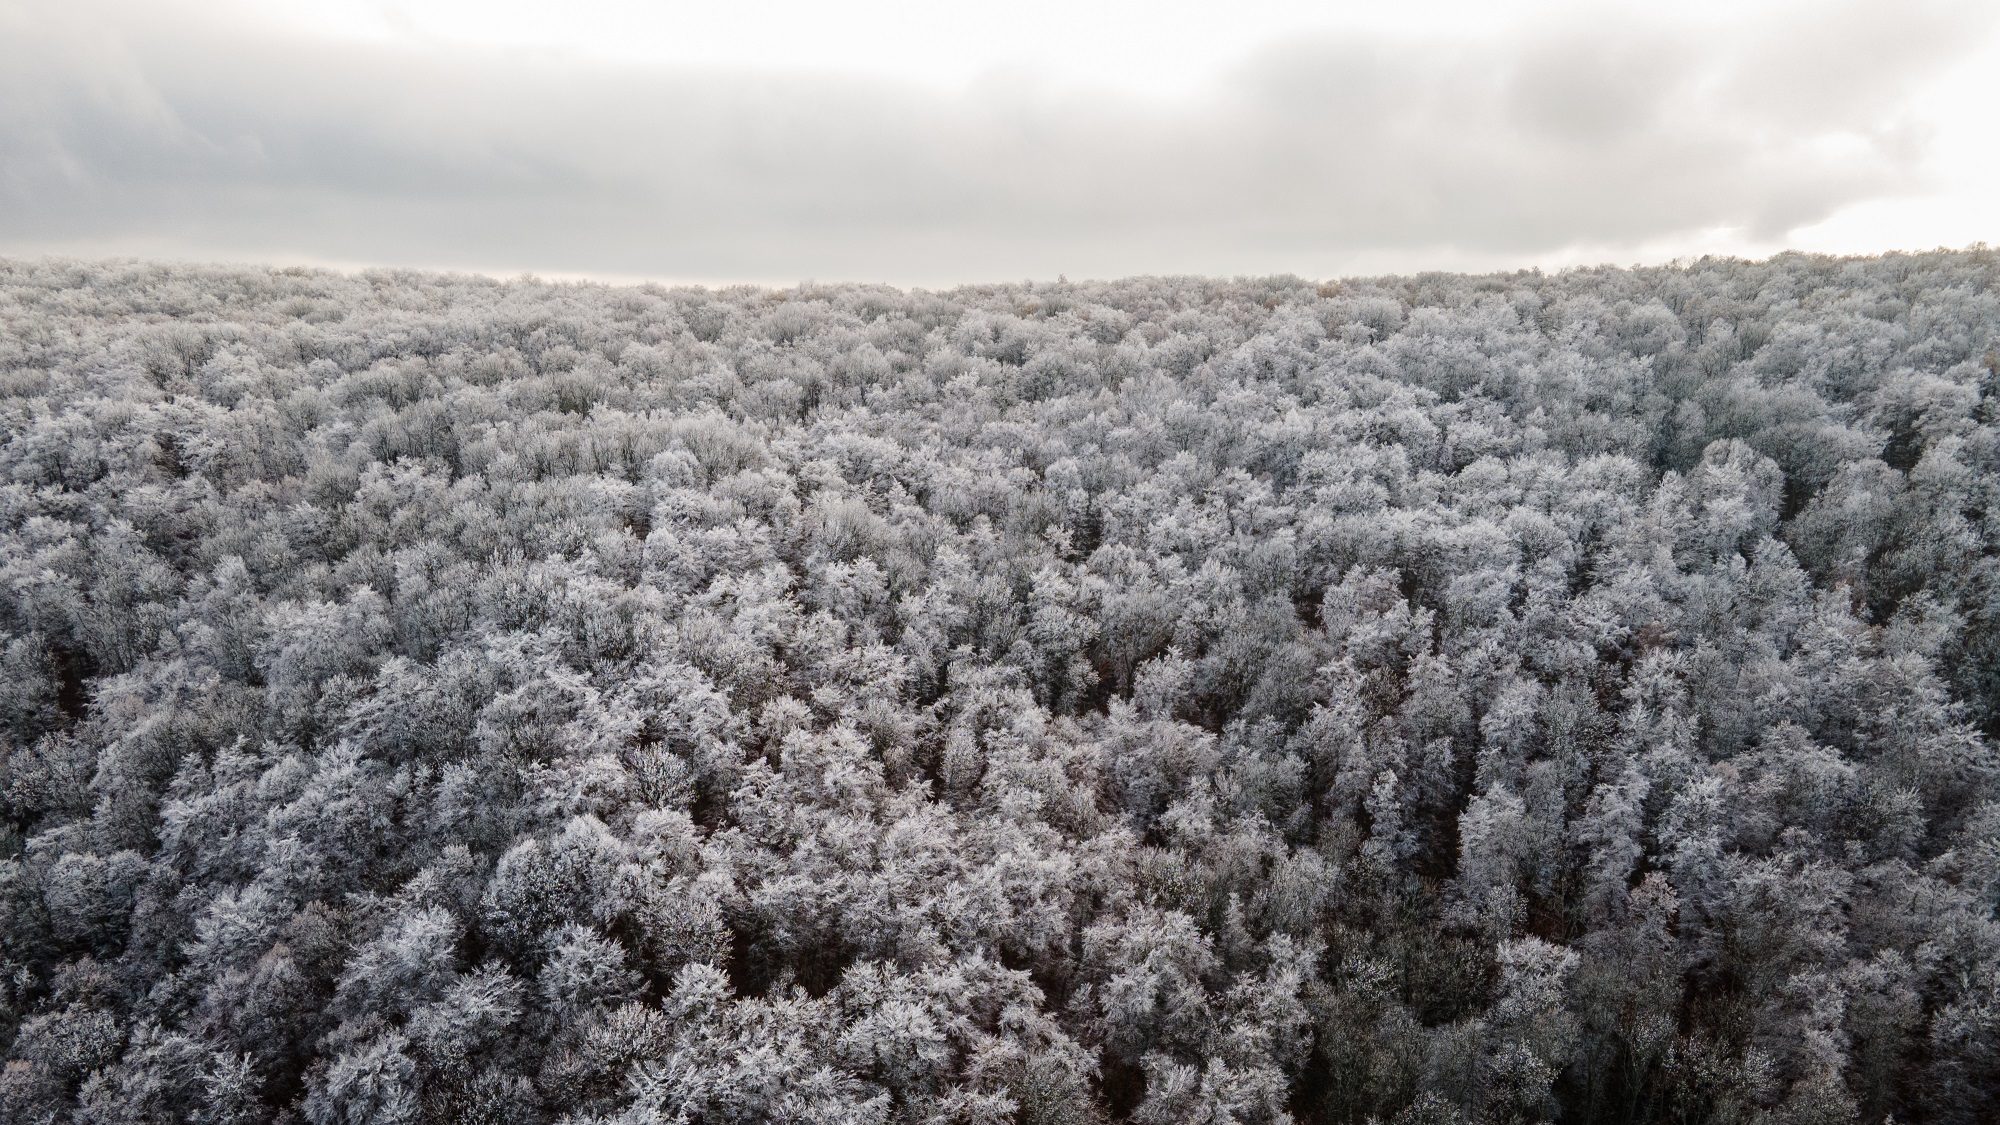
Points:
[[931, 144]]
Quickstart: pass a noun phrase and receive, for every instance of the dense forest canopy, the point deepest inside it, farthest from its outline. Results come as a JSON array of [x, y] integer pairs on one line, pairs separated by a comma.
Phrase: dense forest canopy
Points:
[[1424, 700]]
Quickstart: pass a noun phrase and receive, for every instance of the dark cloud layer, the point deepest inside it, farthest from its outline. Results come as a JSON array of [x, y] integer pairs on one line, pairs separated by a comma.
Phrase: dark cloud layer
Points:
[[130, 129]]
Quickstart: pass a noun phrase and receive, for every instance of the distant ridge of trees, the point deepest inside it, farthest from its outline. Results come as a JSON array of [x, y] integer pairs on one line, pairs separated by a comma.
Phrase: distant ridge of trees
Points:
[[1446, 699]]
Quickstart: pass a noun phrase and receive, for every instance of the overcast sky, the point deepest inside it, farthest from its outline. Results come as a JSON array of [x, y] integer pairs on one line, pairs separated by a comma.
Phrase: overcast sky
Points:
[[930, 143]]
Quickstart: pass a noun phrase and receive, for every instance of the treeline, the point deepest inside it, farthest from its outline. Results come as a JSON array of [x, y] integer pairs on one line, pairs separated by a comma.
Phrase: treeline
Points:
[[1419, 700]]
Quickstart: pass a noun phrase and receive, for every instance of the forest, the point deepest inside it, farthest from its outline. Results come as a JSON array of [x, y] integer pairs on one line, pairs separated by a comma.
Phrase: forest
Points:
[[1430, 700]]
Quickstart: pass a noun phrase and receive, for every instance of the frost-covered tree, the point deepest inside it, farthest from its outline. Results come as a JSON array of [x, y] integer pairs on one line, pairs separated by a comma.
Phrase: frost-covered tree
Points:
[[1523, 698]]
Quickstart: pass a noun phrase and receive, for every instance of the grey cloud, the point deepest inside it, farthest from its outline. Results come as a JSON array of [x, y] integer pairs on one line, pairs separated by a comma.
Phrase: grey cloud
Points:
[[243, 144]]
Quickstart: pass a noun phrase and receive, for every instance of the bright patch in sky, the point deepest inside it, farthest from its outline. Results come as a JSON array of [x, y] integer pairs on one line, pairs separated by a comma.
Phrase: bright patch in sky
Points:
[[1132, 45]]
